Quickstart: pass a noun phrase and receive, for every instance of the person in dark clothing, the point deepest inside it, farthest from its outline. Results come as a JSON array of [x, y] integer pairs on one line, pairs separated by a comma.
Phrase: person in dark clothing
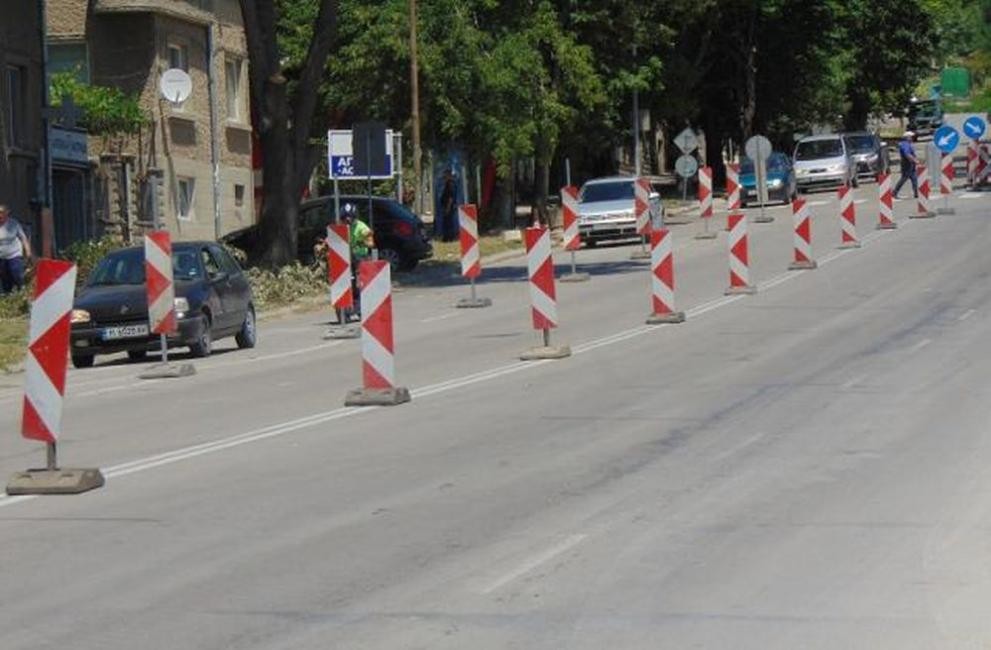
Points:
[[909, 161], [447, 229]]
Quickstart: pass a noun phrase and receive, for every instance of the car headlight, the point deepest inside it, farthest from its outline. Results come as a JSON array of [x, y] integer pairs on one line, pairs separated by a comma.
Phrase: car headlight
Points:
[[775, 183], [837, 168], [79, 316], [801, 172], [181, 307]]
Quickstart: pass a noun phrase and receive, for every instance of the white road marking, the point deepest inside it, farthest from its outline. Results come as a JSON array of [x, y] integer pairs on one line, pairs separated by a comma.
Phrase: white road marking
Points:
[[816, 204], [859, 201], [277, 430], [921, 344], [740, 447], [853, 382], [967, 314], [535, 561]]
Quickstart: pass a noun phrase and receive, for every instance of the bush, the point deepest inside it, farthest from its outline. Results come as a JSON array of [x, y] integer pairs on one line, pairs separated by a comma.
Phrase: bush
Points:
[[286, 285], [15, 305]]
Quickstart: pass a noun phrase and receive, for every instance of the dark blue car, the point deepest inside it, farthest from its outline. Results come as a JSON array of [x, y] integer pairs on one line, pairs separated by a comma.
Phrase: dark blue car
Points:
[[781, 185], [213, 300]]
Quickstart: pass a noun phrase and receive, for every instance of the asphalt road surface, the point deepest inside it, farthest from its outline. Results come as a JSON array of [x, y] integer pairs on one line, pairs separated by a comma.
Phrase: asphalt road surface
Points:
[[809, 467]]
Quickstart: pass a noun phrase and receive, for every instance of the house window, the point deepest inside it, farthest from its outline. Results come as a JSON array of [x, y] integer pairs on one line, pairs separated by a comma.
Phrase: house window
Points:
[[69, 57], [178, 56], [233, 72], [15, 79], [186, 197], [238, 196]]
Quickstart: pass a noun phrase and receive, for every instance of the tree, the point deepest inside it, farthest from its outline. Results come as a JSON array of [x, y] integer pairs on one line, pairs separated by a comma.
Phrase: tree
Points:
[[284, 96]]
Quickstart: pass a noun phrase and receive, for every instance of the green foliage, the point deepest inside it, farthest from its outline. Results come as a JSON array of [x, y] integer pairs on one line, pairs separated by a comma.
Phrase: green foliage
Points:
[[86, 254], [107, 111], [13, 335], [16, 304], [286, 285]]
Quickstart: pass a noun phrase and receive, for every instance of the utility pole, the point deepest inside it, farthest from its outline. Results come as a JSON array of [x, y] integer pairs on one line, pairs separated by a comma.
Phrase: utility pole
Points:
[[415, 99], [636, 119]]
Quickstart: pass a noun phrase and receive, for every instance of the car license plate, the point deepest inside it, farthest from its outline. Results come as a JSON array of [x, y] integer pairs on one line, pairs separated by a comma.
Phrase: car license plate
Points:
[[751, 192], [603, 226], [125, 332]]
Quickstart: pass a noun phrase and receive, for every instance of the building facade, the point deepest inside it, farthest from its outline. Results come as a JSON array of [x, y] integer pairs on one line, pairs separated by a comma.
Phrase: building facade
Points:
[[190, 170], [21, 142]]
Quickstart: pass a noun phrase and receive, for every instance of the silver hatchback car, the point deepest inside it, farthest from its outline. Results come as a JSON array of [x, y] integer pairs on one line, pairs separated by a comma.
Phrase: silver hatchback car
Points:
[[824, 161], [605, 209]]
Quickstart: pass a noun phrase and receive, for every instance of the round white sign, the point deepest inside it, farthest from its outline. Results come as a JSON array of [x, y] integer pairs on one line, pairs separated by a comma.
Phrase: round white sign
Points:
[[175, 85], [758, 148], [686, 166]]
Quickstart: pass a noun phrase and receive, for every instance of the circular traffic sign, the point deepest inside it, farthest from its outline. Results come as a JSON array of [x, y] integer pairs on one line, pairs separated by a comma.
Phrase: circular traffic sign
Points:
[[974, 127], [946, 138], [686, 166], [758, 148], [175, 85]]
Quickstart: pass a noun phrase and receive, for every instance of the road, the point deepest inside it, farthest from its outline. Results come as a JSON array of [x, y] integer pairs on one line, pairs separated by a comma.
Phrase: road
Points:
[[802, 468]]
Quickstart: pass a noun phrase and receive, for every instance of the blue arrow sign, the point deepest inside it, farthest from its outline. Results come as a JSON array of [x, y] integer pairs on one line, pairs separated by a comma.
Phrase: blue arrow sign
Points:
[[946, 138], [974, 127]]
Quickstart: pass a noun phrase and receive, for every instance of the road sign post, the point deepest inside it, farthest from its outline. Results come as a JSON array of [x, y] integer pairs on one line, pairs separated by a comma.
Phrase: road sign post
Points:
[[945, 141], [758, 149]]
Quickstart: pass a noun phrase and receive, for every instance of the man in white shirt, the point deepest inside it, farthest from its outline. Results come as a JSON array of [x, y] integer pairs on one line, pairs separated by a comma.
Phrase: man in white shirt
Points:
[[14, 249]]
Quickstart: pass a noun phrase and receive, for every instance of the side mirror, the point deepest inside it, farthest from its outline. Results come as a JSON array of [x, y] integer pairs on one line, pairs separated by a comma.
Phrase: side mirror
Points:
[[219, 276]]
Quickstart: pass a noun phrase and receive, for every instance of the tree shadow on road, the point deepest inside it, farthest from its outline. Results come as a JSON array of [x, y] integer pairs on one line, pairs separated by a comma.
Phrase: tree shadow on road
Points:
[[448, 274]]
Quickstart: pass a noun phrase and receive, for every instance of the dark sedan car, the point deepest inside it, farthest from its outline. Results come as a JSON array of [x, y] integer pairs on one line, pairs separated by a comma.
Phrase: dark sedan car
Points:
[[400, 236], [212, 300]]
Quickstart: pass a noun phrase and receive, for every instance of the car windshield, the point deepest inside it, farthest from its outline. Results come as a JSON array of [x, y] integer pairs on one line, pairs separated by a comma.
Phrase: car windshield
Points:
[[778, 162], [860, 143], [615, 191], [816, 149], [922, 109], [128, 267]]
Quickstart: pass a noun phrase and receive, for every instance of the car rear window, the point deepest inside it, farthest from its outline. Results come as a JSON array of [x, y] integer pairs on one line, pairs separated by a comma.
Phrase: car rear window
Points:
[[777, 162], [815, 149], [617, 191]]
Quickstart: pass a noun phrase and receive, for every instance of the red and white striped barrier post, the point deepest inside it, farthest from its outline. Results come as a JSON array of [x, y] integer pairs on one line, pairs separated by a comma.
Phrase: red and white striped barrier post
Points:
[[886, 203], [340, 277], [45, 368], [739, 256], [947, 173], [705, 203], [971, 163], [923, 211], [378, 361], [983, 163], [471, 262], [733, 197], [848, 219], [662, 279], [543, 295], [160, 289], [641, 212], [802, 221], [572, 237]]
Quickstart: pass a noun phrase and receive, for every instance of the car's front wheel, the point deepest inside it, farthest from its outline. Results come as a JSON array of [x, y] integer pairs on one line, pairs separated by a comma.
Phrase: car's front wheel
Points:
[[248, 335], [203, 345], [83, 360]]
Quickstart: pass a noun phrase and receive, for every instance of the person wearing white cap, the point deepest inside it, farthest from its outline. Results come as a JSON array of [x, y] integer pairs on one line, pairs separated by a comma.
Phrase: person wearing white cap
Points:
[[909, 161]]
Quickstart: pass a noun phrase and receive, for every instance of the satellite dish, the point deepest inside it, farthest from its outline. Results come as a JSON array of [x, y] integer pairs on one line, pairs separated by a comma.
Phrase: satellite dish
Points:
[[175, 85]]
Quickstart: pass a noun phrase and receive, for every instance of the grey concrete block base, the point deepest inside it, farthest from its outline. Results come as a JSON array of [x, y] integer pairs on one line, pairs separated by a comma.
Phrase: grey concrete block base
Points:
[[672, 317], [351, 331], [852, 244], [891, 225], [473, 303], [921, 215], [803, 266], [763, 219], [575, 277], [741, 291], [945, 211], [640, 255], [67, 480], [168, 371], [377, 396], [546, 352], [706, 235]]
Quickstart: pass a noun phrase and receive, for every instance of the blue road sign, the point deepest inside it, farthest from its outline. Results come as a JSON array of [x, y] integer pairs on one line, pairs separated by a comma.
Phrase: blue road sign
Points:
[[974, 127], [946, 138]]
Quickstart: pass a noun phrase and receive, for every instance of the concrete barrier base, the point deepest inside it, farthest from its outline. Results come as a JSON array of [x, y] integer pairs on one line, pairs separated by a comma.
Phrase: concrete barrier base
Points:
[[803, 266], [741, 291], [575, 277], [852, 244], [377, 396], [706, 235], [670, 317], [945, 211], [473, 303], [887, 226], [923, 215], [351, 331], [546, 352], [168, 371], [640, 255], [765, 219], [66, 480]]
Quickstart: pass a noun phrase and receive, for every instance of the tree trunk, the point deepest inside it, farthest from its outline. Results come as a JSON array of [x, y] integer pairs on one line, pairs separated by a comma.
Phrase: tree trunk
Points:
[[277, 227]]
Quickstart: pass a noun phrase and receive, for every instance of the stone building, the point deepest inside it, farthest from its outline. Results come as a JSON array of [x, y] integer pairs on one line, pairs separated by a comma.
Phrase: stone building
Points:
[[193, 160], [21, 141]]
